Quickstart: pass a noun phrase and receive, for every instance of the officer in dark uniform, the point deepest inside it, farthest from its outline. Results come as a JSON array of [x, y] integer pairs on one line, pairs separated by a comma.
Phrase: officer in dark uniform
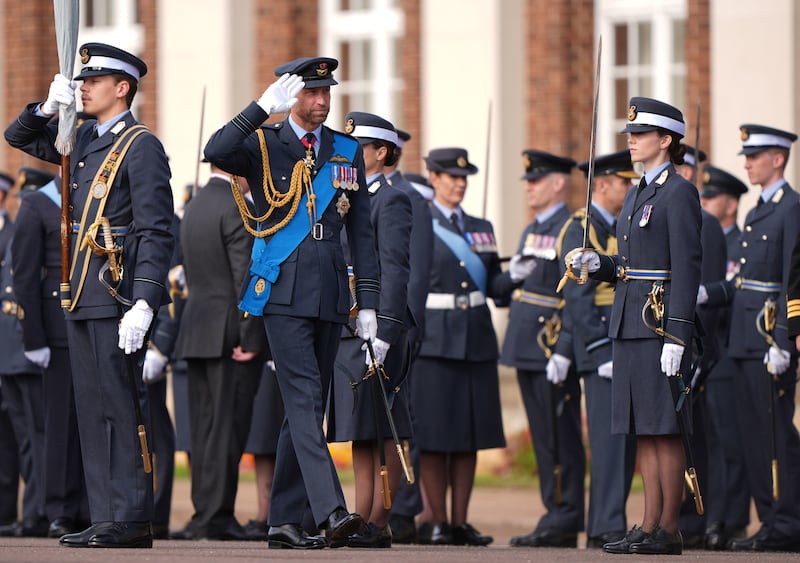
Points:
[[356, 412], [770, 231], [120, 188], [658, 261], [408, 502], [534, 305], [36, 259], [585, 330], [726, 495], [298, 276], [21, 379], [457, 397], [712, 239]]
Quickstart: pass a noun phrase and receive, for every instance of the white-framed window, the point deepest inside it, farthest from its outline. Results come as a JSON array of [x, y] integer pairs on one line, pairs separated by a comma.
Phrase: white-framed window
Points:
[[364, 36], [643, 55]]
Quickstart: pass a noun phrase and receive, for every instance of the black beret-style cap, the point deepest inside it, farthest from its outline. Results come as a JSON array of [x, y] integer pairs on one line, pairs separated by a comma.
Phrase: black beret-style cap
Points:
[[98, 59], [33, 178], [366, 127], [756, 138], [452, 160], [716, 181], [6, 182], [618, 163], [315, 71], [540, 163], [647, 114]]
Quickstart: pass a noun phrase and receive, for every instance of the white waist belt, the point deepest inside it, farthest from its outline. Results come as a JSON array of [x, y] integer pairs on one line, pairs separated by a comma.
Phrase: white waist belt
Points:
[[455, 300]]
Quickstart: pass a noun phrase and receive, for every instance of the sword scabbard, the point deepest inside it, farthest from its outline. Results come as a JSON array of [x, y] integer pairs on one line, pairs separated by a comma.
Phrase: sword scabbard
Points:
[[145, 452], [694, 484], [387, 493]]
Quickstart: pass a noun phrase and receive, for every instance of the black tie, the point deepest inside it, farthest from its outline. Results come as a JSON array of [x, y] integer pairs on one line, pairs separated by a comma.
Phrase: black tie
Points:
[[309, 140], [94, 132], [454, 221], [642, 185], [760, 201]]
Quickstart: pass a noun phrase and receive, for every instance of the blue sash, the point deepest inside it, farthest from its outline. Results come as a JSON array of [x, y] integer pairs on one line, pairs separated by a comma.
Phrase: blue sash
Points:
[[266, 258], [458, 245]]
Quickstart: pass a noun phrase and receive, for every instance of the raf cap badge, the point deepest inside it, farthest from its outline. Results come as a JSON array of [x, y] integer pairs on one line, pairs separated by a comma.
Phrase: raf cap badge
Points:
[[322, 69], [631, 113], [349, 126], [706, 177], [745, 134], [526, 161], [461, 162], [85, 55]]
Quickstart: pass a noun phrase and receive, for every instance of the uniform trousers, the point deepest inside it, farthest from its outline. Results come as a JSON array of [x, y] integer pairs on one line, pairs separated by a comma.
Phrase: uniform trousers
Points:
[[221, 395], [752, 401], [542, 400], [613, 461], [304, 351], [9, 466], [119, 490], [65, 491], [153, 397], [22, 394], [727, 498]]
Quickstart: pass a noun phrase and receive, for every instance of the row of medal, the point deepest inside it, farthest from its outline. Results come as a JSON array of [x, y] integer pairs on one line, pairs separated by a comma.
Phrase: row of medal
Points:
[[481, 242], [344, 176]]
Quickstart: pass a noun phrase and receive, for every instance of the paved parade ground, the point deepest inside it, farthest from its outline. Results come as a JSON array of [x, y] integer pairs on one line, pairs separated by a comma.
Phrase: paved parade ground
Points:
[[499, 511]]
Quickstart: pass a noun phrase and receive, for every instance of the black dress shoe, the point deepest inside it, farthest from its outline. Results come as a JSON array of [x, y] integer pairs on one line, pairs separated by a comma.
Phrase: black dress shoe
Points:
[[12, 530], [191, 532], [123, 534], [35, 527], [546, 538], [292, 536], [766, 539], [441, 534], [596, 542], [424, 531], [160, 531], [660, 542], [465, 534], [341, 524], [256, 530], [372, 536], [404, 530], [62, 526], [229, 531], [694, 541], [81, 539], [716, 539], [623, 545]]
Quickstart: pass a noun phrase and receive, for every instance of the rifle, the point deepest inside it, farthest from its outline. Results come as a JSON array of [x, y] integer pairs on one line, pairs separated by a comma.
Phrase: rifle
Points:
[[584, 275], [765, 324]]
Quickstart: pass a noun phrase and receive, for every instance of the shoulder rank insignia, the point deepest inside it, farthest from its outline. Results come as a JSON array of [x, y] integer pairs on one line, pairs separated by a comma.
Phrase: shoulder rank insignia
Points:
[[117, 129]]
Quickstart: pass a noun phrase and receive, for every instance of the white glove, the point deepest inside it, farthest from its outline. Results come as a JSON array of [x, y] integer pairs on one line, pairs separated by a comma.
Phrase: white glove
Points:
[[777, 360], [605, 369], [521, 267], [62, 92], [671, 355], [280, 96], [154, 364], [588, 257], [367, 324], [380, 348], [134, 325], [40, 356], [557, 368], [702, 295]]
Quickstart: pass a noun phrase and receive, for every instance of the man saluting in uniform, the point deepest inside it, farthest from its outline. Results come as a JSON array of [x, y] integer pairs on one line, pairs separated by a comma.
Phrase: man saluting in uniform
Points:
[[120, 192], [307, 182]]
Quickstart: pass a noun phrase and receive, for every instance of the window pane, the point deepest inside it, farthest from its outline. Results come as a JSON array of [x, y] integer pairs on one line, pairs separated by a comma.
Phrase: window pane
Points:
[[645, 43], [621, 98], [620, 45], [645, 87], [679, 92], [679, 41]]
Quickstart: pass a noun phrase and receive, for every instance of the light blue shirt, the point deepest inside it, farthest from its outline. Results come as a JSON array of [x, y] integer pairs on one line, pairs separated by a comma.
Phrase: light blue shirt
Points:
[[649, 176], [105, 127], [546, 214], [769, 191], [300, 132], [447, 212]]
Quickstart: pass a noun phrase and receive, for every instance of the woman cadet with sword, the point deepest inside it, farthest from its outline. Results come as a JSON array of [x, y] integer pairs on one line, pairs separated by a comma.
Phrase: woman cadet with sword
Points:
[[657, 273]]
